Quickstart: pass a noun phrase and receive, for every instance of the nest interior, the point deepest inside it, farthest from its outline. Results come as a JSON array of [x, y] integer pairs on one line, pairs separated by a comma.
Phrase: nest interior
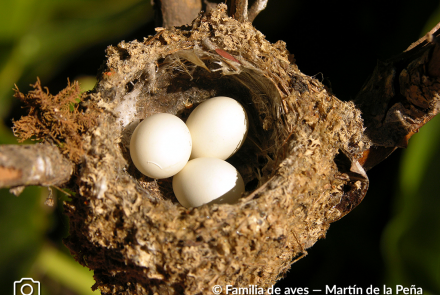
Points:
[[131, 230], [182, 87]]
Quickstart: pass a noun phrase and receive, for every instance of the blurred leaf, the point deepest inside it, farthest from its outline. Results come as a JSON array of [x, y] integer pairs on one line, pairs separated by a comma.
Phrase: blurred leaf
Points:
[[38, 37], [432, 22], [86, 82], [23, 224], [16, 17], [65, 270], [416, 222], [6, 136]]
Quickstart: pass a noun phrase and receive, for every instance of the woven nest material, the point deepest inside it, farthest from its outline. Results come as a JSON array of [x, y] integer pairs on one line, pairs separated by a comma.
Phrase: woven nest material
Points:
[[297, 164]]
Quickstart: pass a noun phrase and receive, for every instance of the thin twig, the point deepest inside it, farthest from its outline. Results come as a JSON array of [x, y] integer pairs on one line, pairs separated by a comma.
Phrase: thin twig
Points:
[[256, 8]]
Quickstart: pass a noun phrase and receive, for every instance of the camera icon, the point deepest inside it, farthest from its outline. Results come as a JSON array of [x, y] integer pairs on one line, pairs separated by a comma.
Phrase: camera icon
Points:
[[26, 286]]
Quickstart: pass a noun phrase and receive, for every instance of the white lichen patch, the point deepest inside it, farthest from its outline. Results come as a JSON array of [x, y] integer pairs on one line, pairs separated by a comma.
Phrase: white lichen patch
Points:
[[101, 187], [126, 109]]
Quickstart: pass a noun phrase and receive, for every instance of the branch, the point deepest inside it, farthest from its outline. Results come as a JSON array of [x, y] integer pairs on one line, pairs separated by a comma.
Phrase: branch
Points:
[[172, 13], [238, 9], [40, 164], [400, 97], [256, 8]]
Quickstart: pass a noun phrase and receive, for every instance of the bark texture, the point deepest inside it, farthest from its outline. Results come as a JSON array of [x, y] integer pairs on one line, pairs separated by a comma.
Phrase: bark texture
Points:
[[40, 164], [239, 10], [401, 96], [171, 13]]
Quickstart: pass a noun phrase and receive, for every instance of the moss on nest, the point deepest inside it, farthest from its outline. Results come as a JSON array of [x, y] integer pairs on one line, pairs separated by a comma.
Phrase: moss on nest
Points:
[[131, 230], [59, 119]]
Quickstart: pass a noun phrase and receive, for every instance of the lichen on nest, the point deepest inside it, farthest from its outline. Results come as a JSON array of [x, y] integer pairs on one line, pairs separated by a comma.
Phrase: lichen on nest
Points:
[[131, 230]]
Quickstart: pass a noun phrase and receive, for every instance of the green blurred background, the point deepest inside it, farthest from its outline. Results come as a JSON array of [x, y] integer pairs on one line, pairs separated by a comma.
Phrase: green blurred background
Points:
[[392, 238]]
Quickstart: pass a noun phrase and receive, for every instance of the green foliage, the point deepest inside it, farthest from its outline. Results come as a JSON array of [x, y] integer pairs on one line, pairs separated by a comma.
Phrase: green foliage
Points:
[[23, 224], [411, 241], [65, 270], [38, 38]]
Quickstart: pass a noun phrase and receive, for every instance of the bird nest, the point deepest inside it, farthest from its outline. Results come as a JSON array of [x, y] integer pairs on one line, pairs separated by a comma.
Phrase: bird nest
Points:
[[298, 164]]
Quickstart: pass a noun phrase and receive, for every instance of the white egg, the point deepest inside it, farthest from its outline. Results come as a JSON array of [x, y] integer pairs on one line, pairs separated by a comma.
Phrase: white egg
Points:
[[218, 128], [205, 180], [160, 146]]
